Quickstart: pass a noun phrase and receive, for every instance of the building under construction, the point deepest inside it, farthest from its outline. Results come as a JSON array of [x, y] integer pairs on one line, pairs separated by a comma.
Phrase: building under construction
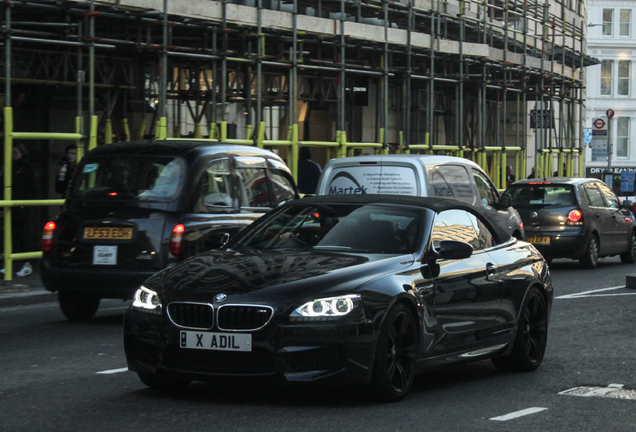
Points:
[[499, 82]]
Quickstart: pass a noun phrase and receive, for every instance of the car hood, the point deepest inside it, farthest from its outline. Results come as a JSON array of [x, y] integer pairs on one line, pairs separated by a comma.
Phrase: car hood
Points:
[[255, 276]]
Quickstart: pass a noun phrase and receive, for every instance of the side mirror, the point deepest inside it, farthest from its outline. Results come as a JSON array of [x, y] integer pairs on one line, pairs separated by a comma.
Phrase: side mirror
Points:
[[453, 249], [506, 200], [628, 205]]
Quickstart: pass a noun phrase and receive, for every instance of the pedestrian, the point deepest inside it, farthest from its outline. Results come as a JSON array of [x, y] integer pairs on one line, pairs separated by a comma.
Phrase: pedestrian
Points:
[[23, 186], [308, 172], [531, 176], [510, 177], [68, 162]]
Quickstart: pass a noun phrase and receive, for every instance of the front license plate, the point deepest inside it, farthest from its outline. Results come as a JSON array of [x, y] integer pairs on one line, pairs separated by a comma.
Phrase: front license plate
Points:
[[216, 341], [108, 233], [540, 240]]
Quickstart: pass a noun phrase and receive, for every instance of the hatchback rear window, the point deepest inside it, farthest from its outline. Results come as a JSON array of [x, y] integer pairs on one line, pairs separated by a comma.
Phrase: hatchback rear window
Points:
[[542, 195], [145, 178]]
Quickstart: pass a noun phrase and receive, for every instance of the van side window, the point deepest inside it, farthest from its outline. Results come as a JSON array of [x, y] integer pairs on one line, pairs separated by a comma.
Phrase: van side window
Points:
[[450, 181], [214, 190], [486, 190]]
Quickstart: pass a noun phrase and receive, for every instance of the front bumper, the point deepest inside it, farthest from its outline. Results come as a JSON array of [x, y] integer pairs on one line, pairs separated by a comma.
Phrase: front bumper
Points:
[[330, 353]]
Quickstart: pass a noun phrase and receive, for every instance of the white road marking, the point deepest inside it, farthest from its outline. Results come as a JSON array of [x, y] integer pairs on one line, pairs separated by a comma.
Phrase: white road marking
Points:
[[518, 414], [593, 391], [593, 293], [113, 371]]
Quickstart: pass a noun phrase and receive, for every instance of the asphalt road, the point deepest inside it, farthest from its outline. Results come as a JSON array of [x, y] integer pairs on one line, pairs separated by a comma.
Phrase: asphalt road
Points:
[[63, 376]]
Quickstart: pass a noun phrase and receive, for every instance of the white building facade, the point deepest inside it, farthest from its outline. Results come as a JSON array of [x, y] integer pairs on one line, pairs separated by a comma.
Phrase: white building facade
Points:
[[611, 94]]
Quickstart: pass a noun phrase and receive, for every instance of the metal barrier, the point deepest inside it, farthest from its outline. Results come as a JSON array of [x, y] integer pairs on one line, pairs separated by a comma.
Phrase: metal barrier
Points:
[[8, 203]]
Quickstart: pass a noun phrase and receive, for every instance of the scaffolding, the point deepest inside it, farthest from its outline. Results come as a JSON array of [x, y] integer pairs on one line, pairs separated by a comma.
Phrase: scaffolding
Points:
[[489, 80]]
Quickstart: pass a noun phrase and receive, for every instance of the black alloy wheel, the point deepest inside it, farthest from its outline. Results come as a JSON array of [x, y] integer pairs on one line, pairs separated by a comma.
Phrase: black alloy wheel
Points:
[[531, 338], [394, 368], [589, 259], [78, 306], [629, 257]]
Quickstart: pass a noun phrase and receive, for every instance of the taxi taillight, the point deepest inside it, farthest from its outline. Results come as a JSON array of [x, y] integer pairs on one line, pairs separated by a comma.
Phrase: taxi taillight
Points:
[[47, 236], [175, 239], [575, 217]]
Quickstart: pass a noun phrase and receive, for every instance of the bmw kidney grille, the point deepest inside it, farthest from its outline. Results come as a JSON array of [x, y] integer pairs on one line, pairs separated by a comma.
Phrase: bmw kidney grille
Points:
[[229, 317], [192, 315]]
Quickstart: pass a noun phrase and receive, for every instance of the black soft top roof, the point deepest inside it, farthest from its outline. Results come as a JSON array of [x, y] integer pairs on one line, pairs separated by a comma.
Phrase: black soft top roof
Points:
[[435, 204]]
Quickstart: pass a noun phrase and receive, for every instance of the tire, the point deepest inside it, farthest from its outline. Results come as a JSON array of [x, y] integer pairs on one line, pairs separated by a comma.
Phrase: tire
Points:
[[162, 382], [589, 259], [531, 338], [78, 306], [394, 367], [629, 257]]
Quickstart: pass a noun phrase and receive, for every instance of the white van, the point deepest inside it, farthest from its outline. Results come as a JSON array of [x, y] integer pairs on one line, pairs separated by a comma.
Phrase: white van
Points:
[[420, 175]]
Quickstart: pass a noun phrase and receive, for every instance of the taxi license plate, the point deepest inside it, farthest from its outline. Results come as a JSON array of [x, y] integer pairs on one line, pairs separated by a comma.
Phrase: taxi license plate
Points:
[[108, 233], [540, 240], [216, 341]]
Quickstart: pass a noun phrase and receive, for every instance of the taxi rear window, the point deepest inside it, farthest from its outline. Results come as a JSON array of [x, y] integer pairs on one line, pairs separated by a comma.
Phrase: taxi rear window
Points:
[[139, 177]]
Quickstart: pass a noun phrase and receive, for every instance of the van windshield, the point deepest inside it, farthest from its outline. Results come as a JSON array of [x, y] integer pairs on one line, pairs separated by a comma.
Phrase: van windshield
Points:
[[542, 195], [139, 177]]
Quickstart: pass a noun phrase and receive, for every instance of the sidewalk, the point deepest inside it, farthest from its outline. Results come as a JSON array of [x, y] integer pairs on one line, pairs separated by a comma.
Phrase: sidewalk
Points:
[[24, 290]]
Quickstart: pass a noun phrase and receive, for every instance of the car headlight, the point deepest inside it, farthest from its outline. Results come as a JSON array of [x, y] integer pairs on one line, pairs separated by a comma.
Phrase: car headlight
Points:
[[147, 300], [326, 308]]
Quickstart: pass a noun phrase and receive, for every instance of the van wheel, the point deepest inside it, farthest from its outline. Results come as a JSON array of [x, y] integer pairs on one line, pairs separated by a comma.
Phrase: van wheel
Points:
[[629, 257], [589, 259], [78, 306]]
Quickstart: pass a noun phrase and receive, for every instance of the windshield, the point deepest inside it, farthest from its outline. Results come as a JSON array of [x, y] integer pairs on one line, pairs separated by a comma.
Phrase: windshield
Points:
[[342, 227], [142, 177], [542, 195]]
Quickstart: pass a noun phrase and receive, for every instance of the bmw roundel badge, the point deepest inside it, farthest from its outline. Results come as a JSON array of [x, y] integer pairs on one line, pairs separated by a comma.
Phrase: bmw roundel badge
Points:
[[220, 297]]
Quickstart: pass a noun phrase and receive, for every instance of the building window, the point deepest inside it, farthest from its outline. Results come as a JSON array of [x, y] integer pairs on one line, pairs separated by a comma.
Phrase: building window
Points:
[[624, 68], [606, 77], [608, 17], [622, 137], [625, 25]]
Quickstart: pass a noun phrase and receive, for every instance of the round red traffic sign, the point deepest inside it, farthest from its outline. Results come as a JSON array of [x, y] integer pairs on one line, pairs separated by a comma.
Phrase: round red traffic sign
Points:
[[610, 113], [599, 123]]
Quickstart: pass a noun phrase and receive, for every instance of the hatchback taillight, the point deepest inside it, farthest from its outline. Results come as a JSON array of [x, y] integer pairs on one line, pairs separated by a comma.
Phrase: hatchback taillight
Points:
[[175, 239], [575, 217], [47, 236]]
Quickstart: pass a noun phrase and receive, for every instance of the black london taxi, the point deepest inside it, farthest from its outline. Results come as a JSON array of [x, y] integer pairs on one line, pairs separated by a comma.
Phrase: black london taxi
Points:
[[135, 208]]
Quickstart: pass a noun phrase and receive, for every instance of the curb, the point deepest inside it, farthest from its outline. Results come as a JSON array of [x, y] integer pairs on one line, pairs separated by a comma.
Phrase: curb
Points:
[[20, 294]]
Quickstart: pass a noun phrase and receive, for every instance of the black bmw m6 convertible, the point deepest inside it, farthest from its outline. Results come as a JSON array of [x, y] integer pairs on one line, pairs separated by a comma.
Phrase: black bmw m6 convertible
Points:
[[345, 289]]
